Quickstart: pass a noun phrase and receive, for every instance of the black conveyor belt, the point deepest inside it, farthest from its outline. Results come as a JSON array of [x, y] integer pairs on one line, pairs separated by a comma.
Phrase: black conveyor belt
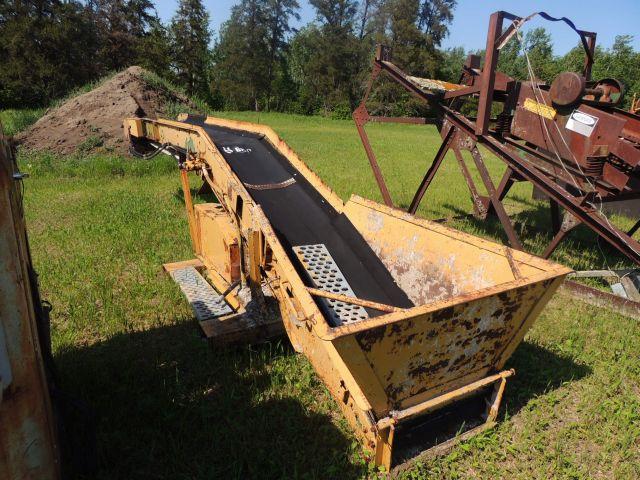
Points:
[[301, 216]]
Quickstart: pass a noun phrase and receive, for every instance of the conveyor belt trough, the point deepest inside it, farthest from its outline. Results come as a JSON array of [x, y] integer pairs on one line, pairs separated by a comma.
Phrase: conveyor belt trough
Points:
[[409, 323]]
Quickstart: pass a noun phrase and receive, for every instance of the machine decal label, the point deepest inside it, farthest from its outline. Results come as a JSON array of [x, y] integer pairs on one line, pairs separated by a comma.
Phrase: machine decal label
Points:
[[582, 123], [236, 150], [540, 109]]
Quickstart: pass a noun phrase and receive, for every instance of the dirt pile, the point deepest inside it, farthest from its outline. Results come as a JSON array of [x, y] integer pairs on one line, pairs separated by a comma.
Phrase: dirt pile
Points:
[[94, 119]]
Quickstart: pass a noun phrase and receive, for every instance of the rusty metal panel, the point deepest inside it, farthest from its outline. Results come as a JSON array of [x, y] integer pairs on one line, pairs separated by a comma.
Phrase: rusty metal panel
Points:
[[432, 262], [474, 300], [422, 356], [217, 242], [27, 437]]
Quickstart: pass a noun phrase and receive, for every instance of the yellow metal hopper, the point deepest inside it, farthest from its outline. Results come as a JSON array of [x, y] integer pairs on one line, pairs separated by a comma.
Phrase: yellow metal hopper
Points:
[[408, 323]]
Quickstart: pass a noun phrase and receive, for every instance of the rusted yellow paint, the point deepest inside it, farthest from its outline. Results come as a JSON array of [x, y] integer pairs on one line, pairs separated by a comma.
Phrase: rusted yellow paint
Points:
[[28, 434], [540, 108], [474, 299], [432, 84]]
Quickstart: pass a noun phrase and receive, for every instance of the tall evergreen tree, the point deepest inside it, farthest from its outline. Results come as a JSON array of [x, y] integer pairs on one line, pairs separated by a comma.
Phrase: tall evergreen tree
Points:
[[279, 14], [242, 56], [337, 56], [537, 44], [190, 37], [154, 51], [411, 47], [121, 26], [47, 48], [336, 14], [451, 67], [251, 67], [413, 29], [434, 19]]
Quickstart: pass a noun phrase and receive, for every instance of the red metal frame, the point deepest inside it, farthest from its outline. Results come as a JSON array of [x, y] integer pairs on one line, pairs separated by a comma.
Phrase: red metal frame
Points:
[[602, 173]]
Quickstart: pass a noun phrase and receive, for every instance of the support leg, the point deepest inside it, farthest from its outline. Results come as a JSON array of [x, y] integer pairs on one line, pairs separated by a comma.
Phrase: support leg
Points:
[[569, 222], [360, 117], [505, 185], [479, 207], [384, 445], [188, 203], [426, 181], [514, 241]]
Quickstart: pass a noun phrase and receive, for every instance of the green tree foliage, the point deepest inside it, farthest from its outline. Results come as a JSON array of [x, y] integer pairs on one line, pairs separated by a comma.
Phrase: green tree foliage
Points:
[[370, 11], [251, 63], [412, 47], [47, 48], [327, 59], [413, 29], [435, 17], [537, 44], [450, 69], [259, 61], [279, 13], [336, 56], [622, 63], [121, 26], [242, 64], [154, 51], [299, 55], [190, 37]]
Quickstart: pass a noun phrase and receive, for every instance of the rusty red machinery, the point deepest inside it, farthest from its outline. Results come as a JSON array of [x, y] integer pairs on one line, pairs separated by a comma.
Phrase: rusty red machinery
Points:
[[569, 139]]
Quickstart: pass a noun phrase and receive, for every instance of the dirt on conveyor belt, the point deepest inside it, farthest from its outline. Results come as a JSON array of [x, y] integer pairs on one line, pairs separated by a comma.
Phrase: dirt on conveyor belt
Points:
[[94, 119]]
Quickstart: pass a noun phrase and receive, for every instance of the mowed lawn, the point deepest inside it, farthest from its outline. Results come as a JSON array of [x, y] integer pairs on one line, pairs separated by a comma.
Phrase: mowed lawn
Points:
[[171, 407]]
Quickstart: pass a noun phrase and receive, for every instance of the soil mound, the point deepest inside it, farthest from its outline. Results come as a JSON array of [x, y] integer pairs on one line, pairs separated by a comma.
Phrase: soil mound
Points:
[[94, 119]]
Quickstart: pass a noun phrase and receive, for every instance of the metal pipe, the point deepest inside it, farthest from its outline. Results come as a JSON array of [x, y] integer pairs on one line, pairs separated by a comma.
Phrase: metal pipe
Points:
[[396, 416], [353, 300]]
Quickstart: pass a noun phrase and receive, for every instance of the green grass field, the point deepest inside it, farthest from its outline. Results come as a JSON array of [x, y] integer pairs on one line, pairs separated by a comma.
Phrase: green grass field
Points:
[[171, 407]]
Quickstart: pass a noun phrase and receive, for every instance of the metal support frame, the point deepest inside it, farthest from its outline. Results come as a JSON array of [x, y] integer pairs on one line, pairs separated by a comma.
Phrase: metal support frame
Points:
[[437, 161], [488, 75], [496, 202], [361, 117], [188, 204], [479, 203], [574, 205], [523, 162]]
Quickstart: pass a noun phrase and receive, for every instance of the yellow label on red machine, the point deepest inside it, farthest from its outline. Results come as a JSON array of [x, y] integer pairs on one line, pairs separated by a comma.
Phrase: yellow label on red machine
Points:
[[540, 108]]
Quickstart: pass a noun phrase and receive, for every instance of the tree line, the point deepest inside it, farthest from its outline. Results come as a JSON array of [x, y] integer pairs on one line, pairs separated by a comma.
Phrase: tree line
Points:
[[257, 60]]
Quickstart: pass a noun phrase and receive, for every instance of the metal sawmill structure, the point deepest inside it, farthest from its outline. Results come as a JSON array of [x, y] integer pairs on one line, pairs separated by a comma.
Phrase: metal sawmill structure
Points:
[[569, 139], [408, 323]]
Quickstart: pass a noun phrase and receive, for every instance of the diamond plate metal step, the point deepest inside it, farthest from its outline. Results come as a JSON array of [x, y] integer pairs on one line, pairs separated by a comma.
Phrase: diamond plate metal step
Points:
[[326, 275], [207, 304]]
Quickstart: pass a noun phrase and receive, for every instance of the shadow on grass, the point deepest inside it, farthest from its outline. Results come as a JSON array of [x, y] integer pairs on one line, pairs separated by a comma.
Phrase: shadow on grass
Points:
[[533, 226], [171, 406], [538, 371], [202, 194]]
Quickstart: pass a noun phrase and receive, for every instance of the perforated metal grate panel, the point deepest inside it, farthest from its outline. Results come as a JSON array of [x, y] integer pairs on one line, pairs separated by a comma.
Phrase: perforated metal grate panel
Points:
[[205, 301], [326, 275]]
